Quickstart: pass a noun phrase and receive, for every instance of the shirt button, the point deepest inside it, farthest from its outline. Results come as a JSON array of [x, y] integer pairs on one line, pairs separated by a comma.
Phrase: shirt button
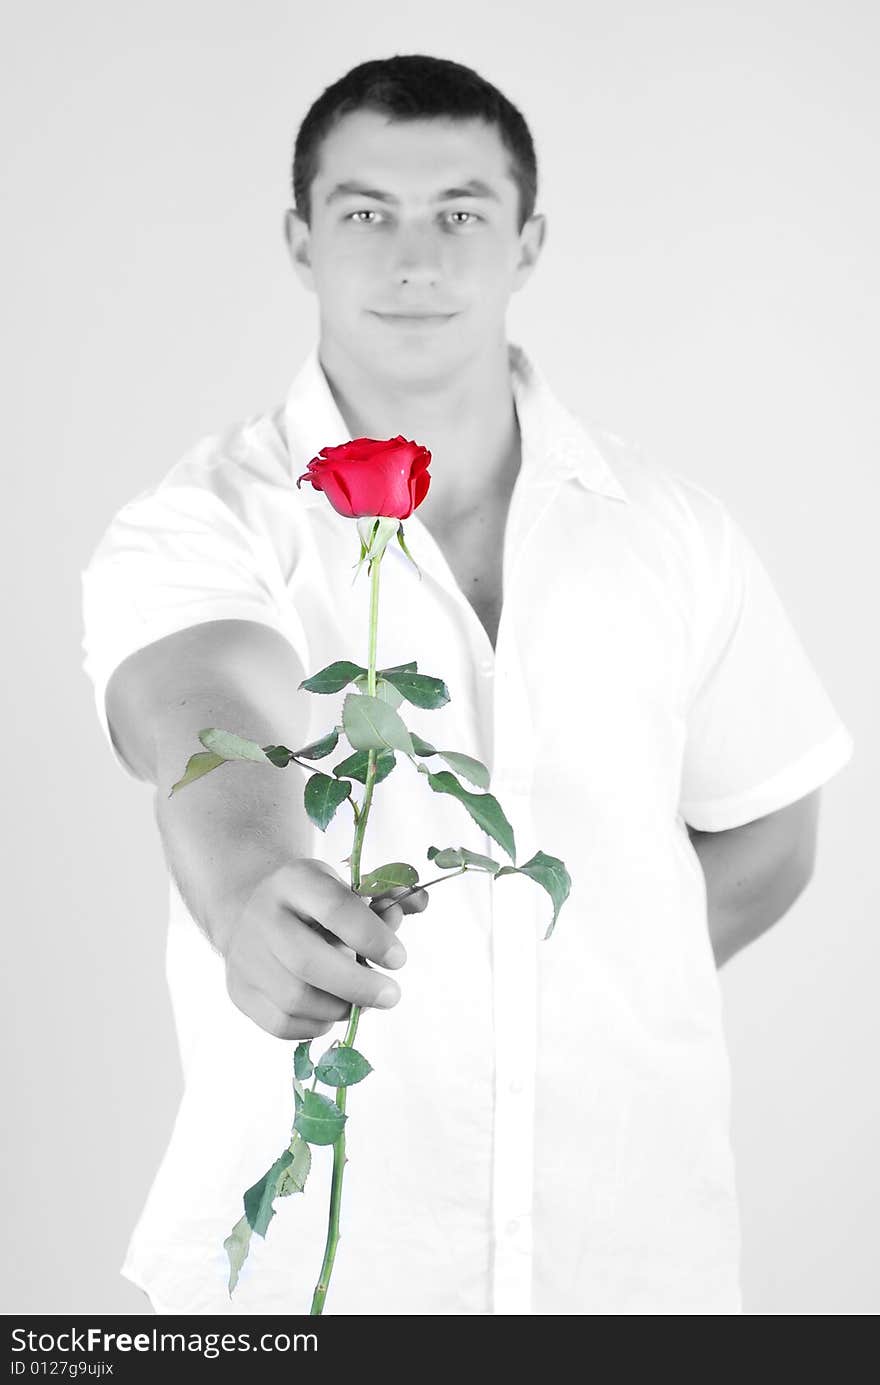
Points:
[[515, 1087], [512, 1227]]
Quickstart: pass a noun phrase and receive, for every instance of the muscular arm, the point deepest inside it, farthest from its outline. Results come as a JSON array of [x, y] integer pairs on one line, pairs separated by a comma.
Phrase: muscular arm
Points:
[[754, 873], [223, 832]]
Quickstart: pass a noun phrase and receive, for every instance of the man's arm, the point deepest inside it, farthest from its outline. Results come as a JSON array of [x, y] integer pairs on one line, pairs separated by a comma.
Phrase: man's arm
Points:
[[288, 926], [223, 831], [754, 873]]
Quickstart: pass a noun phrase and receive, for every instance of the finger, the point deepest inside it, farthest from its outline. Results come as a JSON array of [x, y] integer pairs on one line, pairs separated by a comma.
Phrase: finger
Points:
[[409, 903], [311, 1003], [325, 900], [287, 992], [388, 896], [331, 969], [390, 912], [266, 1015], [415, 903]]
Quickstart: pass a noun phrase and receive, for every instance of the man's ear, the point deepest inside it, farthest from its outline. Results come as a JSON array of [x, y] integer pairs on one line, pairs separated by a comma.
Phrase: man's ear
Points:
[[296, 234], [532, 238]]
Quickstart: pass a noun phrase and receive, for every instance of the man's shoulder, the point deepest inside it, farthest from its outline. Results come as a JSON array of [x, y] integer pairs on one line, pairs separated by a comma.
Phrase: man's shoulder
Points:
[[657, 492], [230, 461], [226, 483]]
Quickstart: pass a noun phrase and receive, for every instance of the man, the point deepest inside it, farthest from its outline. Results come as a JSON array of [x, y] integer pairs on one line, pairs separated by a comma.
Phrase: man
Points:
[[546, 1127]]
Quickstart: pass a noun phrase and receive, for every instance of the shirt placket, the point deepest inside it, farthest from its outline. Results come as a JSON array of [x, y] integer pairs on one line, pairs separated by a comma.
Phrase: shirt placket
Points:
[[514, 1002], [516, 926]]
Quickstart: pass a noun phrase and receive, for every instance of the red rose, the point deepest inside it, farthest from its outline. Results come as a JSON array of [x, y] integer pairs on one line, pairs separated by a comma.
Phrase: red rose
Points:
[[368, 476]]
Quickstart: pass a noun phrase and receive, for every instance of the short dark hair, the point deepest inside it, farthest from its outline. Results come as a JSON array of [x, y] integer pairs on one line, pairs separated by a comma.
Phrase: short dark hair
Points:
[[415, 86]]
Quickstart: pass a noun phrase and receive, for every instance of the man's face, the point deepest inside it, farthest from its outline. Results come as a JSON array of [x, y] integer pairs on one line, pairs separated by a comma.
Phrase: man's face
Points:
[[418, 249]]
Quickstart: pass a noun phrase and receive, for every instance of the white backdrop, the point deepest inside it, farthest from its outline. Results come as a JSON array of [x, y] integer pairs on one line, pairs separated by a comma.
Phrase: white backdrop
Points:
[[709, 289]]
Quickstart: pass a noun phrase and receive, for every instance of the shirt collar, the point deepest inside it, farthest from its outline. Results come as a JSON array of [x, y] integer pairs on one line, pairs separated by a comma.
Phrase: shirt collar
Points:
[[556, 445]]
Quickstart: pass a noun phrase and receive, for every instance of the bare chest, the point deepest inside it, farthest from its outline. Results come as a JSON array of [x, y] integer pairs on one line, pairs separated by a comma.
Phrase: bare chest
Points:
[[473, 551]]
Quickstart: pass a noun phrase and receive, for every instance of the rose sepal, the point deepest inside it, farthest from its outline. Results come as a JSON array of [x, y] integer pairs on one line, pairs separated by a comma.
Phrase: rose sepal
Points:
[[401, 541], [376, 532]]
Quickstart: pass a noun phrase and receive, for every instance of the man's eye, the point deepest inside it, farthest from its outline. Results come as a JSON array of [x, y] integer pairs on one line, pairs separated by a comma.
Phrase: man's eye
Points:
[[369, 211]]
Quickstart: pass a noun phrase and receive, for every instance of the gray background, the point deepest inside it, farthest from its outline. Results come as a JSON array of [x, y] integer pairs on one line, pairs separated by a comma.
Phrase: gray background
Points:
[[709, 288]]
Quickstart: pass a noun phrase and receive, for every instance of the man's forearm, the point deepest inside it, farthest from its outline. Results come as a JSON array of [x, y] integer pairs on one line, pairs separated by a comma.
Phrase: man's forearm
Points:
[[749, 884], [222, 832]]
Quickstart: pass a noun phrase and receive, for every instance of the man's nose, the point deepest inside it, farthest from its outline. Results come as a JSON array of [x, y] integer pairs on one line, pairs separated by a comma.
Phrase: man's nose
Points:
[[418, 257]]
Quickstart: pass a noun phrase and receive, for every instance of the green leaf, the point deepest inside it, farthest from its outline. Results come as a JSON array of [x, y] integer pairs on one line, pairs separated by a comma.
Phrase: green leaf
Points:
[[230, 746], [299, 1092], [421, 747], [316, 750], [484, 808], [465, 765], [258, 1200], [293, 1178], [398, 668], [384, 690], [355, 766], [342, 1067], [319, 1120], [237, 1245], [371, 724], [322, 796], [279, 755], [388, 878], [460, 856], [332, 678], [420, 689], [549, 872], [475, 861], [303, 1066], [446, 857], [196, 766], [472, 770]]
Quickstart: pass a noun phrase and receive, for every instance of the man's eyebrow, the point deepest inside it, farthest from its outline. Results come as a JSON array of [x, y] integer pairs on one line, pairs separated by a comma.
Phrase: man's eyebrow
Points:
[[474, 187]]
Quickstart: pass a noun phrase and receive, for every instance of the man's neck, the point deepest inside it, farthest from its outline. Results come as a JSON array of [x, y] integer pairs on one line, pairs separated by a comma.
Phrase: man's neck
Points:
[[467, 421]]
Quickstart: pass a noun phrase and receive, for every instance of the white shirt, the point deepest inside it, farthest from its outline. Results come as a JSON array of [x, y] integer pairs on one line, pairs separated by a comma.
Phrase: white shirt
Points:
[[547, 1126]]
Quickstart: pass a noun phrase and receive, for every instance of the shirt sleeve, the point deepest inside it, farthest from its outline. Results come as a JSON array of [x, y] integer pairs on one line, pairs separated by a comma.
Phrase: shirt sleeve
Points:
[[761, 729], [171, 558]]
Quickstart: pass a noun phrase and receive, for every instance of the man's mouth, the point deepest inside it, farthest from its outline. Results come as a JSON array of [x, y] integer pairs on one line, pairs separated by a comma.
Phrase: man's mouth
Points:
[[415, 319]]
